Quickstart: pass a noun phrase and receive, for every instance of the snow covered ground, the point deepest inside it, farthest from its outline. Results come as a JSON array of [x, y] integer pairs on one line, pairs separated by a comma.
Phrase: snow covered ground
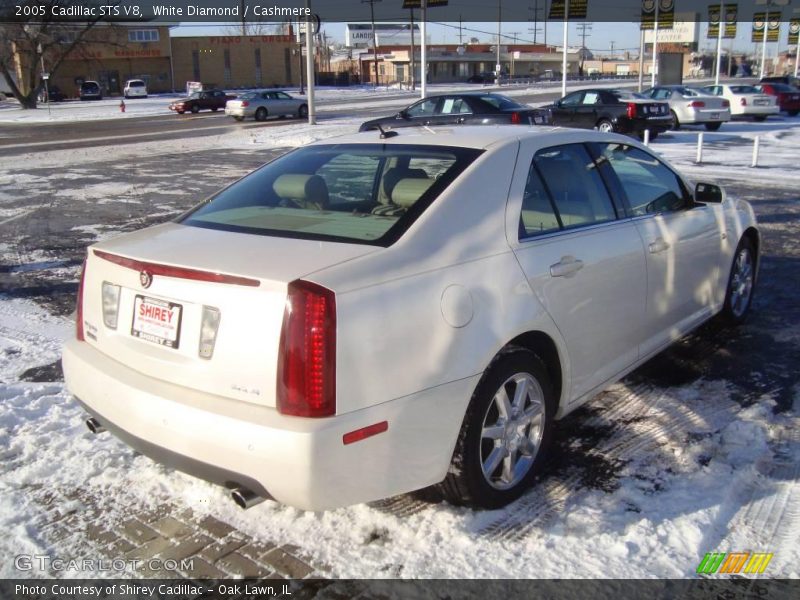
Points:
[[698, 451]]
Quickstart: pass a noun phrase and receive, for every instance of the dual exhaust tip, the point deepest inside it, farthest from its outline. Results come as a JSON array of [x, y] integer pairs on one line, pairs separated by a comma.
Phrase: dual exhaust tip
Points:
[[243, 497]]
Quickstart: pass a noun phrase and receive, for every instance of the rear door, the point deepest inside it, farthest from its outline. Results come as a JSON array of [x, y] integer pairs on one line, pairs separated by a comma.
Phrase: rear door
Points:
[[586, 113], [583, 260], [681, 240], [564, 109], [452, 110]]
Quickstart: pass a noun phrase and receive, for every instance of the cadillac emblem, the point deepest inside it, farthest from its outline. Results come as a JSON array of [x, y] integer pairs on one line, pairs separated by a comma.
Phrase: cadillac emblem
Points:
[[145, 278]]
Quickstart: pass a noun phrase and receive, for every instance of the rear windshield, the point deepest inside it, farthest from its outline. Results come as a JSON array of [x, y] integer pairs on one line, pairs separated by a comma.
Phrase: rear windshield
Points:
[[743, 89], [500, 101], [782, 87], [626, 95], [355, 193], [89, 86], [136, 83], [249, 96]]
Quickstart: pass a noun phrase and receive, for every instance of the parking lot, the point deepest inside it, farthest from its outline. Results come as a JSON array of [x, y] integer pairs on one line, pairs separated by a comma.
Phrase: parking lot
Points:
[[696, 451]]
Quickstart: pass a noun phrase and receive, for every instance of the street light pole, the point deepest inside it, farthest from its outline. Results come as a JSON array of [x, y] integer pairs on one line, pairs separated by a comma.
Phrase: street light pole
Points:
[[499, 21], [719, 40], [310, 67], [655, 49], [424, 51]]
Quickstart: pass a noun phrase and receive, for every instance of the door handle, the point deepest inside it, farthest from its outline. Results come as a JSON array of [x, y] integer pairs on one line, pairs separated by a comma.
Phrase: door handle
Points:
[[566, 267], [658, 246]]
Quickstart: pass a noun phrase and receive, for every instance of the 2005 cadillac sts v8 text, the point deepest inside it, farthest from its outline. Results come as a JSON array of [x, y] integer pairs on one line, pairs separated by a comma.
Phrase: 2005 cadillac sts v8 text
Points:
[[381, 312]]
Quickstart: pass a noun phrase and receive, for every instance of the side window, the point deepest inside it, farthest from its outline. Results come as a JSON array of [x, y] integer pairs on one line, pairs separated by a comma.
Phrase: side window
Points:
[[424, 108], [350, 178], [591, 98], [282, 96], [577, 190], [537, 215], [649, 186], [454, 106], [572, 99]]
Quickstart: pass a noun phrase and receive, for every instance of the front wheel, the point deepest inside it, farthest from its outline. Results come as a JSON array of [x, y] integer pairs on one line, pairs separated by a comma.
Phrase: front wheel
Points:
[[713, 126], [760, 118], [793, 113], [302, 112], [195, 108], [239, 118], [215, 109], [505, 435], [261, 114], [741, 282]]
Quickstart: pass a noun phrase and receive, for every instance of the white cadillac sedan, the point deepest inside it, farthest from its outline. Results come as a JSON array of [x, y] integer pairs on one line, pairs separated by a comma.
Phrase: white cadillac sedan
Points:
[[379, 313]]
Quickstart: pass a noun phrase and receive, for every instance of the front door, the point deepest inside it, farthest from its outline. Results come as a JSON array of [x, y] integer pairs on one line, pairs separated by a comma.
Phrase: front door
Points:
[[564, 109], [681, 241], [584, 261]]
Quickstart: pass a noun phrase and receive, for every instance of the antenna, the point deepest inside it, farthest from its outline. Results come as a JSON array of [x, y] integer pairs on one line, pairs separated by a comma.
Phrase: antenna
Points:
[[386, 134]]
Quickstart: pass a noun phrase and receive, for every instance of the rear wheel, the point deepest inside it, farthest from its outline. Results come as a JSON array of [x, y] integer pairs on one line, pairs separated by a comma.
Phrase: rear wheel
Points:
[[215, 109], [793, 113], [195, 108], [302, 112], [713, 126], [505, 435], [760, 118], [741, 282], [676, 123], [239, 118], [605, 126], [261, 114]]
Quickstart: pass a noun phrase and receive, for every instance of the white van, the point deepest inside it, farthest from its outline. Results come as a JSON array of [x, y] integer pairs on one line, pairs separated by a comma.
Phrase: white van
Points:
[[135, 88]]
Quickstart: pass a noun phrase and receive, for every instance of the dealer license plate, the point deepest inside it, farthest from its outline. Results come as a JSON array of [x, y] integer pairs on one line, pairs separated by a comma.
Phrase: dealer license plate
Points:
[[157, 321], [715, 115], [761, 102]]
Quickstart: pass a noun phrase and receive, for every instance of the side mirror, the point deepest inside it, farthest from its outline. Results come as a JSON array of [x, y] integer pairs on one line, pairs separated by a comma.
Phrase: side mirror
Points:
[[558, 104], [402, 115], [708, 193]]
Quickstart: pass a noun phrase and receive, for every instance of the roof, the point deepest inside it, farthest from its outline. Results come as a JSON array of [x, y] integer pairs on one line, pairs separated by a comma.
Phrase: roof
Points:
[[470, 136]]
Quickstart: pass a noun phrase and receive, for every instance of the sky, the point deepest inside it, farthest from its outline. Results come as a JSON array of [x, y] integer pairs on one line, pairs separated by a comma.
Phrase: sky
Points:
[[625, 36]]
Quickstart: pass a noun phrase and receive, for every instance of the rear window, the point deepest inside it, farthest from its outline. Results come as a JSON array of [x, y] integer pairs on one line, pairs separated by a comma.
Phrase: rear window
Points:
[[89, 86], [500, 101], [136, 83], [744, 89], [355, 193]]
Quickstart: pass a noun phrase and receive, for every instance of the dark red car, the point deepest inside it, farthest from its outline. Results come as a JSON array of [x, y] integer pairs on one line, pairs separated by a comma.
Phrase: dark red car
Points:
[[788, 96], [204, 100]]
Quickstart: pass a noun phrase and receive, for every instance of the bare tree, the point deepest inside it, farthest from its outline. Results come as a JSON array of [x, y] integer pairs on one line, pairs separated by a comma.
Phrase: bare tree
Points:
[[32, 40]]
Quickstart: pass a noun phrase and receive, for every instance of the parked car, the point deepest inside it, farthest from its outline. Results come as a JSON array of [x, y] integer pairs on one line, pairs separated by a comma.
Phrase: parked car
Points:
[[135, 88], [371, 315], [691, 106], [784, 79], [90, 90], [52, 93], [471, 108], [745, 100], [266, 103], [607, 110], [484, 77], [787, 97], [203, 100]]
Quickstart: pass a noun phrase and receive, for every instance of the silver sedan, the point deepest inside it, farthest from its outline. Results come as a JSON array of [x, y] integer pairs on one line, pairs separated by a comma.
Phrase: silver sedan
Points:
[[262, 104], [692, 106]]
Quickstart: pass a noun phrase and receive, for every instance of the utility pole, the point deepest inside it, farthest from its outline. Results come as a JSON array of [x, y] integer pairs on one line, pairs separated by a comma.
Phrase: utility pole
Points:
[[413, 61], [612, 48], [374, 36], [535, 29], [583, 29], [460, 32], [499, 22]]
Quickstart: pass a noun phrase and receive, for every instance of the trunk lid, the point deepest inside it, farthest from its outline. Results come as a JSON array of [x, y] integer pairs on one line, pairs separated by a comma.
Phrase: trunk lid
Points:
[[243, 277]]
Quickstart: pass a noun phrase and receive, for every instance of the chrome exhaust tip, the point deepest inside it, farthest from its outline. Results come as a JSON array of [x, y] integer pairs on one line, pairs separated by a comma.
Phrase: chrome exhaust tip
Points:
[[94, 425], [245, 498]]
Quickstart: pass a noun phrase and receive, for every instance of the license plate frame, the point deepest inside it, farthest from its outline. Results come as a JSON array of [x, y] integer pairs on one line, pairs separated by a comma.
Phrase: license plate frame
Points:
[[150, 328], [715, 116]]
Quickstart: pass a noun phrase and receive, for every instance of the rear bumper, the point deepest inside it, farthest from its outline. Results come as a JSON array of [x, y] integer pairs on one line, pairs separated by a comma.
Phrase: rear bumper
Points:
[[239, 111], [746, 111], [300, 462]]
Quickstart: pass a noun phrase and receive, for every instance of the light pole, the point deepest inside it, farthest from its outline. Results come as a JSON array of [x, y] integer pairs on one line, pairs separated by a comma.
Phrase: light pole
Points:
[[655, 48], [499, 21]]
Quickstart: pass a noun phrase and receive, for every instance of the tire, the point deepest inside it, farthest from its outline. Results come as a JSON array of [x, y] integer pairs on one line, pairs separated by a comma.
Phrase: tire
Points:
[[713, 126], [215, 109], [302, 112], [605, 126], [180, 112], [793, 113], [239, 118], [261, 114], [489, 471], [760, 118], [741, 284], [195, 109], [676, 123]]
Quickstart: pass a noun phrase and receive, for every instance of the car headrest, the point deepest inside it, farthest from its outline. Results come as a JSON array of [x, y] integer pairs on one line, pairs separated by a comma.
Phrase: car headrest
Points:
[[394, 175], [407, 191], [303, 189]]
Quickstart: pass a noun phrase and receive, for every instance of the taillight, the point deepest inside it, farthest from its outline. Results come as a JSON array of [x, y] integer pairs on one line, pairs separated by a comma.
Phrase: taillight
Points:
[[515, 118], [307, 356], [79, 308], [726, 104], [697, 104], [245, 103], [631, 110], [743, 101], [111, 294], [209, 325]]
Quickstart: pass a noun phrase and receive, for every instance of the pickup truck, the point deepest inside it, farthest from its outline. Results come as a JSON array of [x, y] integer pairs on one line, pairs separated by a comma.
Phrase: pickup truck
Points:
[[204, 100]]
